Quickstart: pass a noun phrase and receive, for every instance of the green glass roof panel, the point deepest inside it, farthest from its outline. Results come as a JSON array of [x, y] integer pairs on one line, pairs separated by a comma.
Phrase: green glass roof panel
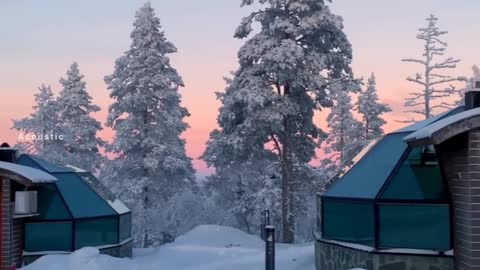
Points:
[[97, 185], [38, 163], [50, 204], [421, 124], [365, 179], [26, 160], [81, 199], [418, 178]]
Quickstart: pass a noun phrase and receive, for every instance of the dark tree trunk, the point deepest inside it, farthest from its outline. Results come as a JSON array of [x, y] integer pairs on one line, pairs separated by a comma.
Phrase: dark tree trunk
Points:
[[146, 199], [288, 219]]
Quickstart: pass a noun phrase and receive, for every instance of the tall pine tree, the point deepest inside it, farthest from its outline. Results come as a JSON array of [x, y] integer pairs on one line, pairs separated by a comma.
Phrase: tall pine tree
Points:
[[79, 128], [372, 110], [285, 72], [345, 139], [148, 119], [43, 123]]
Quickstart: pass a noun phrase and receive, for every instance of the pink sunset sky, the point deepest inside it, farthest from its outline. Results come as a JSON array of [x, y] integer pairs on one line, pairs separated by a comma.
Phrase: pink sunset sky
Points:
[[40, 39]]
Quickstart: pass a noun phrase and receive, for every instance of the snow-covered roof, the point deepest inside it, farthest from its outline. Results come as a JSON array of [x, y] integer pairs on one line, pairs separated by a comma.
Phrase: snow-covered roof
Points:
[[424, 123], [31, 174], [119, 206], [75, 169], [421, 124], [427, 131]]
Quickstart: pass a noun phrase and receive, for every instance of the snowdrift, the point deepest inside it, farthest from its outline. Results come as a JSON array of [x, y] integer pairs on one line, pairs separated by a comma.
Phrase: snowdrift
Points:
[[218, 236], [207, 247]]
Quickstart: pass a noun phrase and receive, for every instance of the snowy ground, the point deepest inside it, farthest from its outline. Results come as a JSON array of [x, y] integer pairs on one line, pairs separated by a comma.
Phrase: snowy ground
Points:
[[203, 248]]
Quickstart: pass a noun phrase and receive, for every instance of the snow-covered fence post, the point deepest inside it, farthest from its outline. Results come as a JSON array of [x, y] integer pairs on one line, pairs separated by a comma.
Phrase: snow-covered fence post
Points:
[[265, 222], [270, 247]]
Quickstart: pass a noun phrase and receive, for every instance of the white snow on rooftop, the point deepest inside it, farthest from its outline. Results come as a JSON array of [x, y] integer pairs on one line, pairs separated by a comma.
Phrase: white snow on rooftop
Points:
[[34, 175], [75, 169], [410, 251], [421, 124], [429, 130], [118, 206], [350, 245]]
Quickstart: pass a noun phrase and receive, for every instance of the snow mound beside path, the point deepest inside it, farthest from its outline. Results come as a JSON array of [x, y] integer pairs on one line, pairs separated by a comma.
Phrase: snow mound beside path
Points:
[[84, 259]]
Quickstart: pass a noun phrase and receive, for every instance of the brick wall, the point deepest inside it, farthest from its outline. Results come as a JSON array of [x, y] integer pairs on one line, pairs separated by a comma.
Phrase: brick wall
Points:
[[467, 207], [335, 257], [17, 242], [6, 224], [461, 163], [12, 229]]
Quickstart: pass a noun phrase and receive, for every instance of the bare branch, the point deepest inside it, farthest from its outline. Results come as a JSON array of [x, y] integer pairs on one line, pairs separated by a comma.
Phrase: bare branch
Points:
[[414, 61], [416, 80], [443, 105], [422, 112], [406, 121]]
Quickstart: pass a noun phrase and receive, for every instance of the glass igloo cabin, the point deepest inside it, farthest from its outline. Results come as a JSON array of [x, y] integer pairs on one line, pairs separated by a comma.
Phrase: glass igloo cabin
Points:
[[74, 211], [390, 210]]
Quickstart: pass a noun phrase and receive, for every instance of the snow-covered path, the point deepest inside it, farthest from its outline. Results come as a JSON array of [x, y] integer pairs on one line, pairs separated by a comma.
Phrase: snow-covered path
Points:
[[203, 248]]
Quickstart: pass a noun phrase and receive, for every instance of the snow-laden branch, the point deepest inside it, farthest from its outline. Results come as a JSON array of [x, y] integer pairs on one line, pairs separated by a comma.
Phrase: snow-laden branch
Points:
[[449, 63]]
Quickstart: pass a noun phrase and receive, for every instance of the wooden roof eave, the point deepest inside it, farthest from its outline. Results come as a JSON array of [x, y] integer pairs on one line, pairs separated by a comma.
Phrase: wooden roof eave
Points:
[[448, 132], [17, 178]]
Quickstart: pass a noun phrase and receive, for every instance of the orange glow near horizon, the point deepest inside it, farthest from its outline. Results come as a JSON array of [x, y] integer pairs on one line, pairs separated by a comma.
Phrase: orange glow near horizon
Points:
[[202, 120]]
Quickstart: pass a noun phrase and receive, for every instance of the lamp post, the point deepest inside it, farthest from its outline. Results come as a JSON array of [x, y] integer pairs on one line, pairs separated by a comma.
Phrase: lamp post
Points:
[[269, 247]]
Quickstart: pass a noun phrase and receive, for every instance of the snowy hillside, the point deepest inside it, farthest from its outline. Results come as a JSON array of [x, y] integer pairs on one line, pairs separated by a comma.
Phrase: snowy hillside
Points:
[[204, 248]]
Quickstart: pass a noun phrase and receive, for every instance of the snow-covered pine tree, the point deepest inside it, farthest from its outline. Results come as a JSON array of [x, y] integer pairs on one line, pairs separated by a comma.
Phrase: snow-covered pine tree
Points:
[[244, 189], [433, 93], [345, 139], [240, 170], [268, 197], [315, 181], [471, 81], [469, 84], [148, 120], [284, 76], [372, 110], [43, 123], [79, 128], [475, 78]]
